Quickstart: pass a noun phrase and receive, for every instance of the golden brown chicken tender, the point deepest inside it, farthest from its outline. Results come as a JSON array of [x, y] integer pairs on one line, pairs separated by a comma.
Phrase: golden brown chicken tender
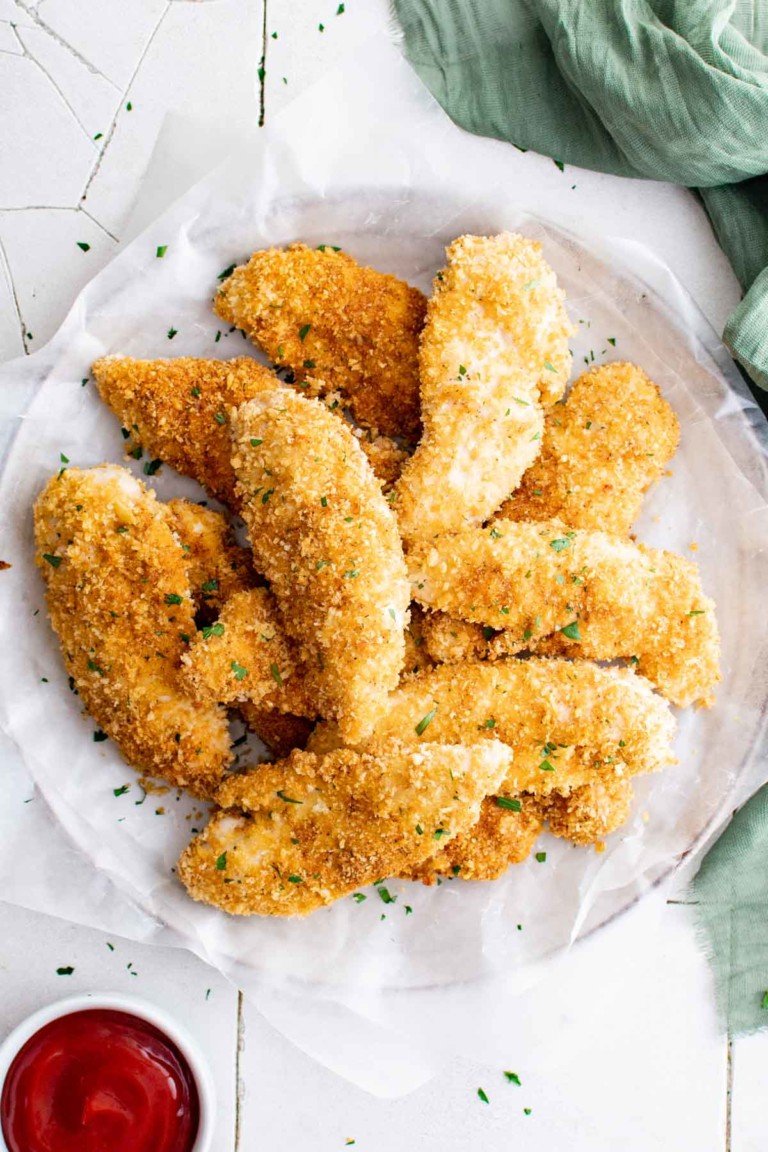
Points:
[[327, 542], [280, 731], [337, 326], [177, 411], [551, 588], [602, 449], [567, 722], [296, 835], [217, 566], [120, 603], [502, 836], [590, 813], [494, 350]]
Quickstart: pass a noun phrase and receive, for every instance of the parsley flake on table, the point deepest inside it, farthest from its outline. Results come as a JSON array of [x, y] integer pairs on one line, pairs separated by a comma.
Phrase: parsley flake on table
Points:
[[764, 1001], [483, 1096], [358, 897], [83, 246], [121, 791], [513, 1078], [226, 273], [66, 971], [386, 896], [172, 332], [541, 857], [152, 467], [161, 251], [99, 736]]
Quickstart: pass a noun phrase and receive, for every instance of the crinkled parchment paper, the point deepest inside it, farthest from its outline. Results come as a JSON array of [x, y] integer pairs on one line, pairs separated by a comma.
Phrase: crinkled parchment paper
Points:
[[393, 200]]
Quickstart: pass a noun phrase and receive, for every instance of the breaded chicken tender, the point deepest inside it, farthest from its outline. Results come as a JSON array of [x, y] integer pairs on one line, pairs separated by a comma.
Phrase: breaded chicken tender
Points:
[[217, 566], [593, 595], [327, 542], [178, 411], [502, 836], [294, 836], [494, 350], [568, 723], [246, 656], [337, 326], [602, 449], [386, 458], [119, 601], [280, 731], [590, 813]]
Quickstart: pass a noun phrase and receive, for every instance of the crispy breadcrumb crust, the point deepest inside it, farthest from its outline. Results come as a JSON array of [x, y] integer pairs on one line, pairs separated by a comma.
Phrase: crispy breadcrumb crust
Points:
[[553, 589], [294, 836], [501, 837], [280, 731], [580, 721], [178, 410], [246, 656], [494, 349], [120, 603], [335, 324], [217, 566], [603, 447], [589, 813], [327, 542]]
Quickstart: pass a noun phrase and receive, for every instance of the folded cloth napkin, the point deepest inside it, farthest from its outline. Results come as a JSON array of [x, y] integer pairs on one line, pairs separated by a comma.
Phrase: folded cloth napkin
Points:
[[671, 91], [649, 88]]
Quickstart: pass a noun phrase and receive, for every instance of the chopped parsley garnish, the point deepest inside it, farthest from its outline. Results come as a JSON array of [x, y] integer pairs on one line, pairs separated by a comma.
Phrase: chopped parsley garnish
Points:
[[226, 273], [696, 612], [220, 418], [352, 574], [386, 896], [559, 164], [439, 833], [212, 630], [161, 251], [99, 736], [121, 791], [425, 721], [562, 542], [255, 441], [489, 723], [527, 1111], [549, 367], [221, 862], [323, 501], [488, 632], [764, 1001], [482, 1095], [612, 340], [295, 879], [265, 498], [541, 857], [508, 803], [572, 631], [94, 667], [152, 466], [195, 392], [276, 674], [513, 1078], [309, 364], [288, 799], [172, 332], [239, 671], [547, 766], [210, 586], [304, 332], [173, 598], [419, 830], [66, 971], [83, 246], [54, 561], [495, 534]]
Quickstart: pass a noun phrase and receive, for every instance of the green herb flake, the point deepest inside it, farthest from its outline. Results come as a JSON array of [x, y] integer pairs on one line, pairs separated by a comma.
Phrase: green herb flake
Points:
[[527, 1111], [99, 736], [304, 332], [83, 246], [482, 1096], [562, 542], [559, 164], [195, 393], [358, 897], [323, 501], [161, 251], [696, 612], [54, 561], [386, 896], [549, 366], [309, 364], [541, 857], [210, 586], [273, 668], [239, 671], [572, 630], [152, 467], [508, 803], [265, 498], [172, 332], [288, 799], [220, 418], [612, 340], [121, 791], [547, 766], [226, 273], [295, 879], [66, 971], [255, 441], [340, 10], [425, 721], [352, 574], [173, 598], [221, 862], [513, 1078], [764, 1001], [490, 723]]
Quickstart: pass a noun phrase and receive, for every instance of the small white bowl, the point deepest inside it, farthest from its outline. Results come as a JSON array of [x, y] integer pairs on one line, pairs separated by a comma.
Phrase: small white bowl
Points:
[[133, 1005]]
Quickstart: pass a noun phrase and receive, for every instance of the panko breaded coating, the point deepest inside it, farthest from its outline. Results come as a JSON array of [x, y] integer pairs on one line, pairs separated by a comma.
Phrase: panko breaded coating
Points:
[[120, 603], [294, 836], [416, 656], [246, 656], [450, 640], [280, 731], [568, 723], [556, 590], [337, 325], [386, 458], [590, 813], [178, 410], [217, 566], [502, 836], [603, 447], [326, 540], [494, 350]]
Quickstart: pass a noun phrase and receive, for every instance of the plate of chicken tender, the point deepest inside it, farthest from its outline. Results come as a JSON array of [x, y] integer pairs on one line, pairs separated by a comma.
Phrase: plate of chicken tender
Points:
[[418, 582]]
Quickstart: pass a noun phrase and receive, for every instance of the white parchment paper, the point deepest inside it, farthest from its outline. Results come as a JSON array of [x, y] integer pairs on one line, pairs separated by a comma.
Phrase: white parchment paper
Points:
[[335, 173]]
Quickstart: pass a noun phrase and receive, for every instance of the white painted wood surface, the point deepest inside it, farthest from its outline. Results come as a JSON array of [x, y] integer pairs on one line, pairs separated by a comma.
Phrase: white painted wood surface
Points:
[[75, 70]]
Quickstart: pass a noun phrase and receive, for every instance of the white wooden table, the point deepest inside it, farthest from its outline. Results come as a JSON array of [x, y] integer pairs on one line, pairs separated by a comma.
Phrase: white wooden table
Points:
[[85, 86]]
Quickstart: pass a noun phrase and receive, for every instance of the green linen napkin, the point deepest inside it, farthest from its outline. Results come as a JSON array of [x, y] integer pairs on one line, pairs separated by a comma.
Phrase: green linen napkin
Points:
[[671, 90], [668, 89]]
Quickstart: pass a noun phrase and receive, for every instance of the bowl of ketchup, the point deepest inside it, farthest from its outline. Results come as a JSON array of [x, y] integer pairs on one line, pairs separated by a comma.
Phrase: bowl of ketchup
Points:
[[104, 1073]]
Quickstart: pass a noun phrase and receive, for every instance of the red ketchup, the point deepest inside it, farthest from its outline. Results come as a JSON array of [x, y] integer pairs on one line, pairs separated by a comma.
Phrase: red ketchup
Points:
[[99, 1081]]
